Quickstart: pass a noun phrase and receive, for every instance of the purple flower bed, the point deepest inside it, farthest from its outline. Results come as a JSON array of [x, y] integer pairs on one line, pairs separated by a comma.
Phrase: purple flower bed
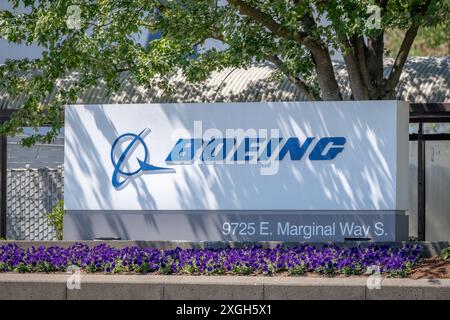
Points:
[[250, 260]]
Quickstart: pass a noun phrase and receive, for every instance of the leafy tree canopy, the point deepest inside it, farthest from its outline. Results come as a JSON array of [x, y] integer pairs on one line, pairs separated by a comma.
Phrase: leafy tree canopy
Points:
[[96, 38]]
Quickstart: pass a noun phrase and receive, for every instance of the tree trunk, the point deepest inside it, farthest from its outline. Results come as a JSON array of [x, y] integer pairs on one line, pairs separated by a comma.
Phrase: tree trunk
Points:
[[375, 57], [325, 73]]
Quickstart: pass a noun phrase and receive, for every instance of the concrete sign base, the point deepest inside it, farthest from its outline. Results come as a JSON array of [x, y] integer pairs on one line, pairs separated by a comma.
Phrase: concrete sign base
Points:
[[237, 226]]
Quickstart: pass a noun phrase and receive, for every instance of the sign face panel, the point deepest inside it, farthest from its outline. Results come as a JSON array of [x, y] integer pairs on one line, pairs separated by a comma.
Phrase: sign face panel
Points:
[[280, 158]]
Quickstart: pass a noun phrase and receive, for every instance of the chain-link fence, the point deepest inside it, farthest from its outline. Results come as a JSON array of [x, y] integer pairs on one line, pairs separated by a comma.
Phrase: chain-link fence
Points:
[[32, 193]]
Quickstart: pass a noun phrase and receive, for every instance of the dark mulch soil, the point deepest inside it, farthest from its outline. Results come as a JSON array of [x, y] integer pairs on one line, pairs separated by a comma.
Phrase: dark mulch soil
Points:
[[431, 268]]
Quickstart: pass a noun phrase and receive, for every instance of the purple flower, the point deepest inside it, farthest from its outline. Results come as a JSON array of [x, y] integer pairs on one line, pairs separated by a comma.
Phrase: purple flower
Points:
[[328, 259]]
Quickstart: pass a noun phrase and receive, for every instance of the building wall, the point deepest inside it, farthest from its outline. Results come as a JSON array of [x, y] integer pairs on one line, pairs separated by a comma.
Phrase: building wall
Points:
[[437, 184], [39, 156]]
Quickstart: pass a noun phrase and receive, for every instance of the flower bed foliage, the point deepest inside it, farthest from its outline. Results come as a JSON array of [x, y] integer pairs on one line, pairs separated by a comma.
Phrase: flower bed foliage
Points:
[[56, 218], [329, 259], [445, 253]]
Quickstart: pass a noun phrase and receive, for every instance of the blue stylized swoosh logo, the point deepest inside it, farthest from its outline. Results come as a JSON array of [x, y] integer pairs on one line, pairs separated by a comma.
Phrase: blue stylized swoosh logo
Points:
[[125, 155]]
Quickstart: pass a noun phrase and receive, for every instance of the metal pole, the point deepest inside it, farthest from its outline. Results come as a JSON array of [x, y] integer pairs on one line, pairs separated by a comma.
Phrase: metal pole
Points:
[[3, 180], [421, 184]]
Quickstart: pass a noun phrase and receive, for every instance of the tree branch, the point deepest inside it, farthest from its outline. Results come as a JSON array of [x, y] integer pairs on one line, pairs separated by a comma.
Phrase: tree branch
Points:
[[359, 90], [268, 22], [360, 52], [322, 60], [301, 85], [375, 60], [319, 52], [400, 60], [375, 56]]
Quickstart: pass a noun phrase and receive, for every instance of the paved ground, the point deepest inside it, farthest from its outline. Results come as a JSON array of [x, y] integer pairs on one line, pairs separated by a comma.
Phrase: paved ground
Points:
[[54, 286]]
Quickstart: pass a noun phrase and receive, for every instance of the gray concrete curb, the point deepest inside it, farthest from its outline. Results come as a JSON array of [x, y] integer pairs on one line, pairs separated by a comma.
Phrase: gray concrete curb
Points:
[[430, 248], [155, 287]]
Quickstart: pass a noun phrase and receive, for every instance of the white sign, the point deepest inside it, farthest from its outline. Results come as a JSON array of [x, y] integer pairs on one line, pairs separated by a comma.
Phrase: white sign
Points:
[[237, 156]]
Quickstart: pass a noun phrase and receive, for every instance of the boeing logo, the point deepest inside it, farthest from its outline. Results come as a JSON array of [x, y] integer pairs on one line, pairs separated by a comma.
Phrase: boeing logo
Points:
[[244, 150], [132, 140]]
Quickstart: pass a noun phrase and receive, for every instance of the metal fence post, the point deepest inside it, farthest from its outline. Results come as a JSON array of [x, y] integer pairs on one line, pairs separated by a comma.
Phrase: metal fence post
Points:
[[421, 184], [3, 185]]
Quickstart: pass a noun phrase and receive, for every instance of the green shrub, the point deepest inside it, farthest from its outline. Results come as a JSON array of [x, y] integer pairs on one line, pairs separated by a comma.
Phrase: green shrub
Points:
[[403, 272], [445, 253], [56, 218]]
